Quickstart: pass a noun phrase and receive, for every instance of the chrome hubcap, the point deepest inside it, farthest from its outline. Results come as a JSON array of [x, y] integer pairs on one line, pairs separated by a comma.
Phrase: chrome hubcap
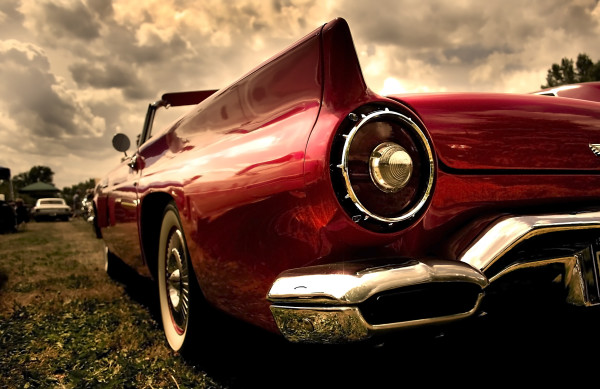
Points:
[[177, 280]]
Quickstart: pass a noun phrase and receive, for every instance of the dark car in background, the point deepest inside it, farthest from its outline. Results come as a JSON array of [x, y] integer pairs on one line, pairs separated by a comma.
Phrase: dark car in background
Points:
[[299, 200]]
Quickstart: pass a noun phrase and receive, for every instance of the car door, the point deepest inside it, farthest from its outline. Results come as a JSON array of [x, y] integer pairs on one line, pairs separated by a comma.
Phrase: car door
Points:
[[121, 232]]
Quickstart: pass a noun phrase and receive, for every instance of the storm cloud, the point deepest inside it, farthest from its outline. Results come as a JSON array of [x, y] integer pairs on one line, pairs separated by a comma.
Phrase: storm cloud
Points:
[[77, 71], [40, 105]]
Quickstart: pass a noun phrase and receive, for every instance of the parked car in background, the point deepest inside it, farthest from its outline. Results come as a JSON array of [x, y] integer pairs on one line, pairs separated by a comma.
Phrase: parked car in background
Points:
[[299, 200], [8, 217], [50, 209]]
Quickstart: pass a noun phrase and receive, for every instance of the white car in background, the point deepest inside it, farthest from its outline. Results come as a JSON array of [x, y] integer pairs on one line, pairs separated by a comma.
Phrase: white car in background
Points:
[[51, 208]]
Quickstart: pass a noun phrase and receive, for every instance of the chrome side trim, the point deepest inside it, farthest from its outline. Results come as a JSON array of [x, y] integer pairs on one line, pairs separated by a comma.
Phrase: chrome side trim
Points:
[[555, 91], [505, 234]]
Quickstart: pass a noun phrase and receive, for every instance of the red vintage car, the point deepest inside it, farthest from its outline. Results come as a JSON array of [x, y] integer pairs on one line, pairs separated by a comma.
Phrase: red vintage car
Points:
[[299, 200]]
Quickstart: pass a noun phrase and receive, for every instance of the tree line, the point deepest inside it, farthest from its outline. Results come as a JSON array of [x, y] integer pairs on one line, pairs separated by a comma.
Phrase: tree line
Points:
[[46, 175], [569, 72]]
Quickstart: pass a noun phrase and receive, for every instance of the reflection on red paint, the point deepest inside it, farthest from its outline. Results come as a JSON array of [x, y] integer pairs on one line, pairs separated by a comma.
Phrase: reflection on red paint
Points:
[[249, 170]]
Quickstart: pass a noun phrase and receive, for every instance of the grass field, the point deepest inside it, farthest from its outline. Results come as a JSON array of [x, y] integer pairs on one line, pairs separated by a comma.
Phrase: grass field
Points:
[[65, 323]]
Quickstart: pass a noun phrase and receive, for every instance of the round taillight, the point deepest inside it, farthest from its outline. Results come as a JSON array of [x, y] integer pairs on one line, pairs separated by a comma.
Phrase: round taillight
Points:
[[390, 166], [384, 172]]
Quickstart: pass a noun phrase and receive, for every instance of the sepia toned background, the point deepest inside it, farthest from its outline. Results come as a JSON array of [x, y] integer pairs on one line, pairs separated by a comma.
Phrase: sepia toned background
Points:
[[75, 72]]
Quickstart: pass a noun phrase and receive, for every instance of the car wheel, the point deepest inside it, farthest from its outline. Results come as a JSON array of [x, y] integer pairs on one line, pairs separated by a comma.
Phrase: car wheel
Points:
[[177, 289]]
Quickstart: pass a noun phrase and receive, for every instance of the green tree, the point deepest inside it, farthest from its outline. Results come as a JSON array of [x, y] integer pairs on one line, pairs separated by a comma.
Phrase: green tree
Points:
[[35, 174], [585, 67], [585, 70]]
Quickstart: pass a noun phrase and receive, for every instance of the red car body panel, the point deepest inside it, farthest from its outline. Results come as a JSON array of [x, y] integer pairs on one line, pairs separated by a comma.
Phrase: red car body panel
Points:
[[249, 171], [508, 132]]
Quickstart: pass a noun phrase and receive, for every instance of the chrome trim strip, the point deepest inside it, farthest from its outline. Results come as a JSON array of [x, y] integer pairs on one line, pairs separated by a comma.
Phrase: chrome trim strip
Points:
[[345, 172], [347, 283], [505, 234], [555, 91], [595, 147]]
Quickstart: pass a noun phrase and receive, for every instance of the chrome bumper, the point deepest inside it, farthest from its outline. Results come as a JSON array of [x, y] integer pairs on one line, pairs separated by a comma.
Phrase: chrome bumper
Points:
[[348, 301], [352, 301]]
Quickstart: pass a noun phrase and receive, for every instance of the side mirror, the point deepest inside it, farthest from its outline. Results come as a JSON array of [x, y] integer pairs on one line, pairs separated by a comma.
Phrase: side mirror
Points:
[[121, 143]]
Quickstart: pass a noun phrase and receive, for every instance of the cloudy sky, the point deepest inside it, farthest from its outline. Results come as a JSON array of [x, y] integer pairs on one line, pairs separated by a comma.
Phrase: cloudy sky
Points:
[[75, 72]]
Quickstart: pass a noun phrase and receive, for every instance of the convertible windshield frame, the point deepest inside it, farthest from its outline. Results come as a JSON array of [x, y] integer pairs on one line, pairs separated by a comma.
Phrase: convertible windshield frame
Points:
[[172, 99]]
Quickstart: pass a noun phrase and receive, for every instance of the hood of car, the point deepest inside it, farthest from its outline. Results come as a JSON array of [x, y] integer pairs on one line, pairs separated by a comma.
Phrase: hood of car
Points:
[[476, 131]]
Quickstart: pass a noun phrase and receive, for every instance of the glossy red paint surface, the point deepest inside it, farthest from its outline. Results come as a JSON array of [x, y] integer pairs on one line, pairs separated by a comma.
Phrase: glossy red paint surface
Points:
[[117, 212], [501, 131], [249, 171]]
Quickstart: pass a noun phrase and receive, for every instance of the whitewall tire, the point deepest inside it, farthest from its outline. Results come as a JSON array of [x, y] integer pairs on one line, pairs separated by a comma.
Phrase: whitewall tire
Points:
[[175, 280]]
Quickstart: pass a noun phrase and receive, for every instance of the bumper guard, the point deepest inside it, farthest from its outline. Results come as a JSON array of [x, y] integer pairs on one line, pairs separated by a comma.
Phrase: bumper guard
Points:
[[352, 301]]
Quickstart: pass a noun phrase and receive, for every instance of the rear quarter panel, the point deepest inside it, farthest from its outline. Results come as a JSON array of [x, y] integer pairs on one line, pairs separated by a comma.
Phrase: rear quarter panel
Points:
[[235, 168]]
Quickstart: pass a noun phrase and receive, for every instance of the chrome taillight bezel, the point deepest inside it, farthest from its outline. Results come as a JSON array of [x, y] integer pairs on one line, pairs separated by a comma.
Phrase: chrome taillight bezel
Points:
[[341, 176]]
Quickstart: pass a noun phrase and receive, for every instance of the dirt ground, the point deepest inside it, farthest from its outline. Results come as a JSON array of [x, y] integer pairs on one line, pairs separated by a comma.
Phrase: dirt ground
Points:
[[64, 323]]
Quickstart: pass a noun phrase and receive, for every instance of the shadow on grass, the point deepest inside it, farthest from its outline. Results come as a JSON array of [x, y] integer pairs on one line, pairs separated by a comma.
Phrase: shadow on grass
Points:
[[139, 288], [238, 355], [3, 279]]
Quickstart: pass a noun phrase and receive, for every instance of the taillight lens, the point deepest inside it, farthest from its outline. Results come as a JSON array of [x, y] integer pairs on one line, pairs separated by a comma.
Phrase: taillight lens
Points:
[[390, 166], [382, 168]]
